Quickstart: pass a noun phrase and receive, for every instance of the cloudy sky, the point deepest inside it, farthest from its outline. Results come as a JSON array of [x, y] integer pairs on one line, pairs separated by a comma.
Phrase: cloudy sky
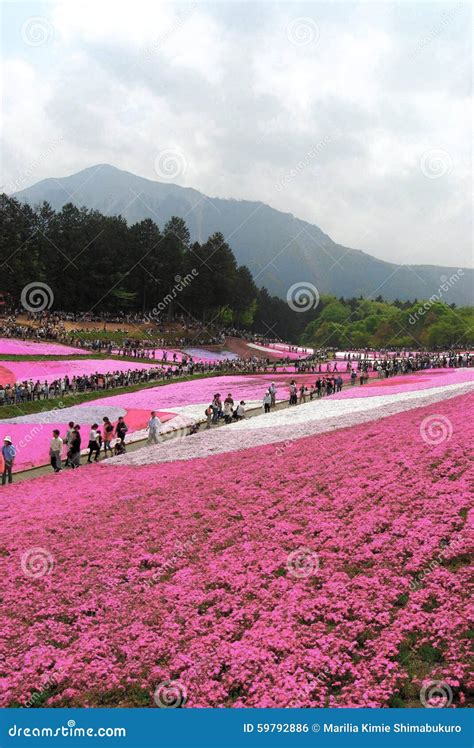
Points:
[[353, 116]]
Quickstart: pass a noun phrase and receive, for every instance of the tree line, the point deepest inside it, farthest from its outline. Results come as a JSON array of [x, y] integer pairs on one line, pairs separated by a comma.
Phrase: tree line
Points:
[[363, 323], [96, 263]]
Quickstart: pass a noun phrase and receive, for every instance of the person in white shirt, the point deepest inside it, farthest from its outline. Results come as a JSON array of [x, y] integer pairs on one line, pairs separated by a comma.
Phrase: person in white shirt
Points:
[[153, 428], [267, 401], [240, 410], [94, 443], [272, 390], [55, 451]]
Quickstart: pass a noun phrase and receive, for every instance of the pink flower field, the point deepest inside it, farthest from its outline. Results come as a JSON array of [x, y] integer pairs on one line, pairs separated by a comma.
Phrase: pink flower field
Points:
[[18, 371], [31, 434], [12, 346], [420, 380], [333, 572]]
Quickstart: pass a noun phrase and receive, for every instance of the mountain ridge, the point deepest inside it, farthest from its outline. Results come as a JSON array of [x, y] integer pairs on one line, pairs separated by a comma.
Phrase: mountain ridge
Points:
[[279, 248]]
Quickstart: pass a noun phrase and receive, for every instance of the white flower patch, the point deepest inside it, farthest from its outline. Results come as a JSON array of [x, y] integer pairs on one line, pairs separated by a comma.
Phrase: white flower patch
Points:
[[289, 425], [77, 413], [327, 407]]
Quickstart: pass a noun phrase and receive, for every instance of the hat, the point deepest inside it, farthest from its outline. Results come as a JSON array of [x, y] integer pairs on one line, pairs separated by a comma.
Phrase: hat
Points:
[[7, 439]]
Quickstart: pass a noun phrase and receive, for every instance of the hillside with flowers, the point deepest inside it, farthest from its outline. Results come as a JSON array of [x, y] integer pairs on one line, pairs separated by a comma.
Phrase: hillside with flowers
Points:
[[319, 558]]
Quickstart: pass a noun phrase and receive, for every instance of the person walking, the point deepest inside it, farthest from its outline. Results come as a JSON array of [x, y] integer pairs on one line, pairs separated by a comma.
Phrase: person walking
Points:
[[70, 429], [94, 443], [293, 393], [272, 390], [74, 453], [120, 431], [108, 435], [68, 439], [267, 401], [8, 454], [153, 428], [55, 451]]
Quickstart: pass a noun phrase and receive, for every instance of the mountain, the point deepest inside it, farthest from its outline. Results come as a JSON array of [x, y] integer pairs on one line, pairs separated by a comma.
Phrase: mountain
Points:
[[278, 248]]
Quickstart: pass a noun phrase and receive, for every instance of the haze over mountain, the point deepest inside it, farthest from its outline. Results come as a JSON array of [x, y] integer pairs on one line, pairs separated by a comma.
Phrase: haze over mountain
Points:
[[278, 248]]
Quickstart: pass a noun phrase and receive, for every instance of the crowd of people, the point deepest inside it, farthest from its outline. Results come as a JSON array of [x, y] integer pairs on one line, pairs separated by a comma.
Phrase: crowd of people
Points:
[[65, 451], [226, 410], [172, 366], [59, 326], [110, 439], [12, 327], [179, 331], [402, 362], [101, 438], [29, 390]]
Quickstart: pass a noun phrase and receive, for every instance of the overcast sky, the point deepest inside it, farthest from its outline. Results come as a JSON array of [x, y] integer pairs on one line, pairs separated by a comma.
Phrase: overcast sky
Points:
[[353, 116]]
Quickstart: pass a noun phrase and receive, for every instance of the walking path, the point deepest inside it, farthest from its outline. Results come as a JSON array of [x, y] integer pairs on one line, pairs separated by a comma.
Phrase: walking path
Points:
[[46, 469]]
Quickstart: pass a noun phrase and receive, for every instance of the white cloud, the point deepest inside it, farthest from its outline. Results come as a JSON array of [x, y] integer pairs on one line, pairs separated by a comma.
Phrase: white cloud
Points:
[[246, 101]]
